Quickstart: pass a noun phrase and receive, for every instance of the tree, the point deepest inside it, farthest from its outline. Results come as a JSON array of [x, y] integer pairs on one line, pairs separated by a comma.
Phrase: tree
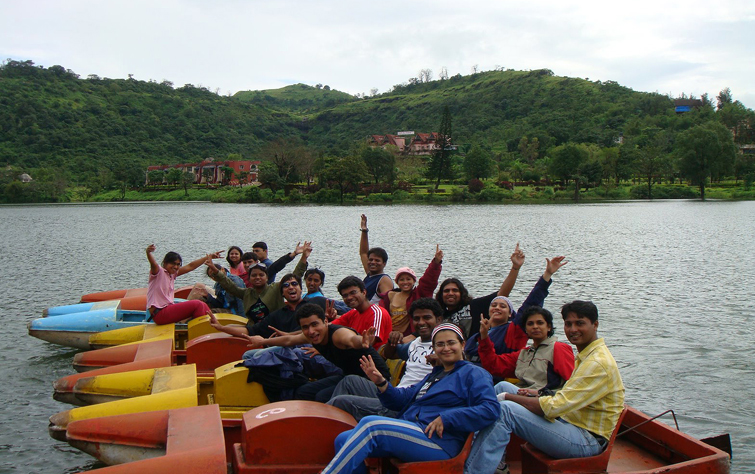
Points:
[[566, 163], [724, 98], [425, 75], [289, 157], [155, 176], [439, 165], [268, 175], [345, 172], [127, 173], [243, 177], [380, 163], [187, 179], [228, 174], [173, 176], [651, 155], [477, 163], [705, 151], [529, 149]]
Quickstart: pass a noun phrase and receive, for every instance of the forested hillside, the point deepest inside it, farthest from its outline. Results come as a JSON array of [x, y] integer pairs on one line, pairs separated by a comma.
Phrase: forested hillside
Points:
[[97, 133]]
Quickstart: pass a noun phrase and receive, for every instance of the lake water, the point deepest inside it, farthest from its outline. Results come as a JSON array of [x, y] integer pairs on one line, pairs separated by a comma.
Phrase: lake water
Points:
[[673, 281]]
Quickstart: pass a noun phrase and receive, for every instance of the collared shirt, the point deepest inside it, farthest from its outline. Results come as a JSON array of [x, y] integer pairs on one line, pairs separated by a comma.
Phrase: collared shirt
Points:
[[593, 397]]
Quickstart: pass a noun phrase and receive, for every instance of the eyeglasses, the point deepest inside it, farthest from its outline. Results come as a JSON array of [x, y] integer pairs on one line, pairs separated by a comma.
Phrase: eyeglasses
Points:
[[290, 283], [450, 343]]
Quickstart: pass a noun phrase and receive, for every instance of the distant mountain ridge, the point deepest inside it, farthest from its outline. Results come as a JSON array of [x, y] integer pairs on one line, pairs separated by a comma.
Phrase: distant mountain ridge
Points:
[[51, 118]]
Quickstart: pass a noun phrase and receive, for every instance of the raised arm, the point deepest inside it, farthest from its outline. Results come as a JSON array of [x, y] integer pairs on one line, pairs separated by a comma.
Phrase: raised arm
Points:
[[364, 244], [232, 329], [257, 342], [552, 266], [301, 267], [517, 260], [196, 263], [226, 282], [429, 280], [154, 267], [346, 338]]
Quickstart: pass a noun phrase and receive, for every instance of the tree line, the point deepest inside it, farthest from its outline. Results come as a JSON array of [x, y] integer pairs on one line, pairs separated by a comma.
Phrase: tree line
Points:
[[512, 126]]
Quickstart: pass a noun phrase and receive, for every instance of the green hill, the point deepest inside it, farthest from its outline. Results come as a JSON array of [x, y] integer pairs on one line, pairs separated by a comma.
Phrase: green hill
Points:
[[497, 109], [299, 98], [93, 132]]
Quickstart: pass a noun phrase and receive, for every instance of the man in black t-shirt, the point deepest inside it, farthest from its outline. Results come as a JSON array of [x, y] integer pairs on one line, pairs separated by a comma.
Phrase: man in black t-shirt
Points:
[[342, 346]]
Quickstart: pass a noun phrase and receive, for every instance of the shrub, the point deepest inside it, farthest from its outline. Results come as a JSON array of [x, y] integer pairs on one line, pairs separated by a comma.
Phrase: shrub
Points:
[[664, 192], [379, 197], [492, 193], [257, 194], [400, 195], [475, 185], [324, 196], [505, 185], [460, 195]]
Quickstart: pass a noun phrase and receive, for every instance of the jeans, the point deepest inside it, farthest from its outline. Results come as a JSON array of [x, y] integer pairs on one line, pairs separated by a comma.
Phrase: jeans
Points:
[[507, 387], [376, 436], [558, 439], [358, 396]]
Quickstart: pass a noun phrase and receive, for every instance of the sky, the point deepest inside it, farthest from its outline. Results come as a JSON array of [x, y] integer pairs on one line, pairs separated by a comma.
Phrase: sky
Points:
[[670, 47]]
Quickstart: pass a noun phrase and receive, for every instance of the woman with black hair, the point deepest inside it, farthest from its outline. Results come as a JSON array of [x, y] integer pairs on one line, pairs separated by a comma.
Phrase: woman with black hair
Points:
[[436, 415], [541, 368], [233, 257]]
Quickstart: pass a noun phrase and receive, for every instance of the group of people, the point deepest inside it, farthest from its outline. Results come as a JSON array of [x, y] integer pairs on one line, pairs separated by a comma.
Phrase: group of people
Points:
[[455, 349]]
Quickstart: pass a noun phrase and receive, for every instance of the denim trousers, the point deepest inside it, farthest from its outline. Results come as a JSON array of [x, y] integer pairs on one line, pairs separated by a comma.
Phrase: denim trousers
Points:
[[558, 439], [377, 436]]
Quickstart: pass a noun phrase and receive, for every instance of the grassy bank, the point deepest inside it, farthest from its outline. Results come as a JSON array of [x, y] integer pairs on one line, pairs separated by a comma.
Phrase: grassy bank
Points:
[[424, 194]]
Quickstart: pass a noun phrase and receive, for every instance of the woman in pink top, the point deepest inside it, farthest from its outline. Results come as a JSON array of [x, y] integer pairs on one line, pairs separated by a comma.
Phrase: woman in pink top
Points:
[[162, 309], [233, 257]]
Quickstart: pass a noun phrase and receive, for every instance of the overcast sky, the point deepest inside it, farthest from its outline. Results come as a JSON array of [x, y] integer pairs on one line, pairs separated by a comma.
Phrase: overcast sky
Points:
[[670, 47]]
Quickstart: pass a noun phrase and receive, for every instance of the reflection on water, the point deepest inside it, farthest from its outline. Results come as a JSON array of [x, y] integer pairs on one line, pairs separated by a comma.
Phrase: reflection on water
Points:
[[672, 280]]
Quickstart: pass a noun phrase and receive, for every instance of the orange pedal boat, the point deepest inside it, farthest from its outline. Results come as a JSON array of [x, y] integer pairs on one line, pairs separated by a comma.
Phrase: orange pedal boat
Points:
[[185, 440]]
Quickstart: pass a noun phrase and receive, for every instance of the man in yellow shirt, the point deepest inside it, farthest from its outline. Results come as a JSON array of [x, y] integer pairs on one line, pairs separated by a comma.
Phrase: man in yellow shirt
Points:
[[575, 422]]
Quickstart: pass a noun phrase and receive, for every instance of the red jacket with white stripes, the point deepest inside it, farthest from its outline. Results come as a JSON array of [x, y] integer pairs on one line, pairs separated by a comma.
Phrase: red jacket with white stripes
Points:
[[373, 316]]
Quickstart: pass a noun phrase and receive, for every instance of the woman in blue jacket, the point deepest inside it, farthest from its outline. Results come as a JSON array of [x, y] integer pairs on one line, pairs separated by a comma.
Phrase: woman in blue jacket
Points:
[[435, 417]]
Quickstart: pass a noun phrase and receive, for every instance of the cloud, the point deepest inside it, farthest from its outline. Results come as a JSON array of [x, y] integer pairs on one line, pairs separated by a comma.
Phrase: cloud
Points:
[[666, 46]]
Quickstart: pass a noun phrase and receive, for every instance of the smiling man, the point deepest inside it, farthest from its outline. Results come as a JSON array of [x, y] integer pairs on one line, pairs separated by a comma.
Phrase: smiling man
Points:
[[575, 422], [357, 395], [363, 313], [340, 345], [373, 259], [283, 319]]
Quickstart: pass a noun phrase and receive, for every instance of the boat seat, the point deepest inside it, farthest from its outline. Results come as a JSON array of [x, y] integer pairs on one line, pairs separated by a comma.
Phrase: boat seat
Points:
[[454, 465], [214, 350], [291, 437], [535, 461]]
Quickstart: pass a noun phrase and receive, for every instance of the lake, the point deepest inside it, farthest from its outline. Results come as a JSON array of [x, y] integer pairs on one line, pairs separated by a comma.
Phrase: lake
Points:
[[673, 281]]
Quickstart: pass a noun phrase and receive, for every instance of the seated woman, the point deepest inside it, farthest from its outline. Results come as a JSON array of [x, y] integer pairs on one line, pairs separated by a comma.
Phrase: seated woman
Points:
[[541, 368], [398, 300], [161, 284], [233, 257], [435, 417], [506, 331]]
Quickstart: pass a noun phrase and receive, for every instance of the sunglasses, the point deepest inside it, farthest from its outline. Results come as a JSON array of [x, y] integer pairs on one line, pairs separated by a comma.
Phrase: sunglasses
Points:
[[290, 283]]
